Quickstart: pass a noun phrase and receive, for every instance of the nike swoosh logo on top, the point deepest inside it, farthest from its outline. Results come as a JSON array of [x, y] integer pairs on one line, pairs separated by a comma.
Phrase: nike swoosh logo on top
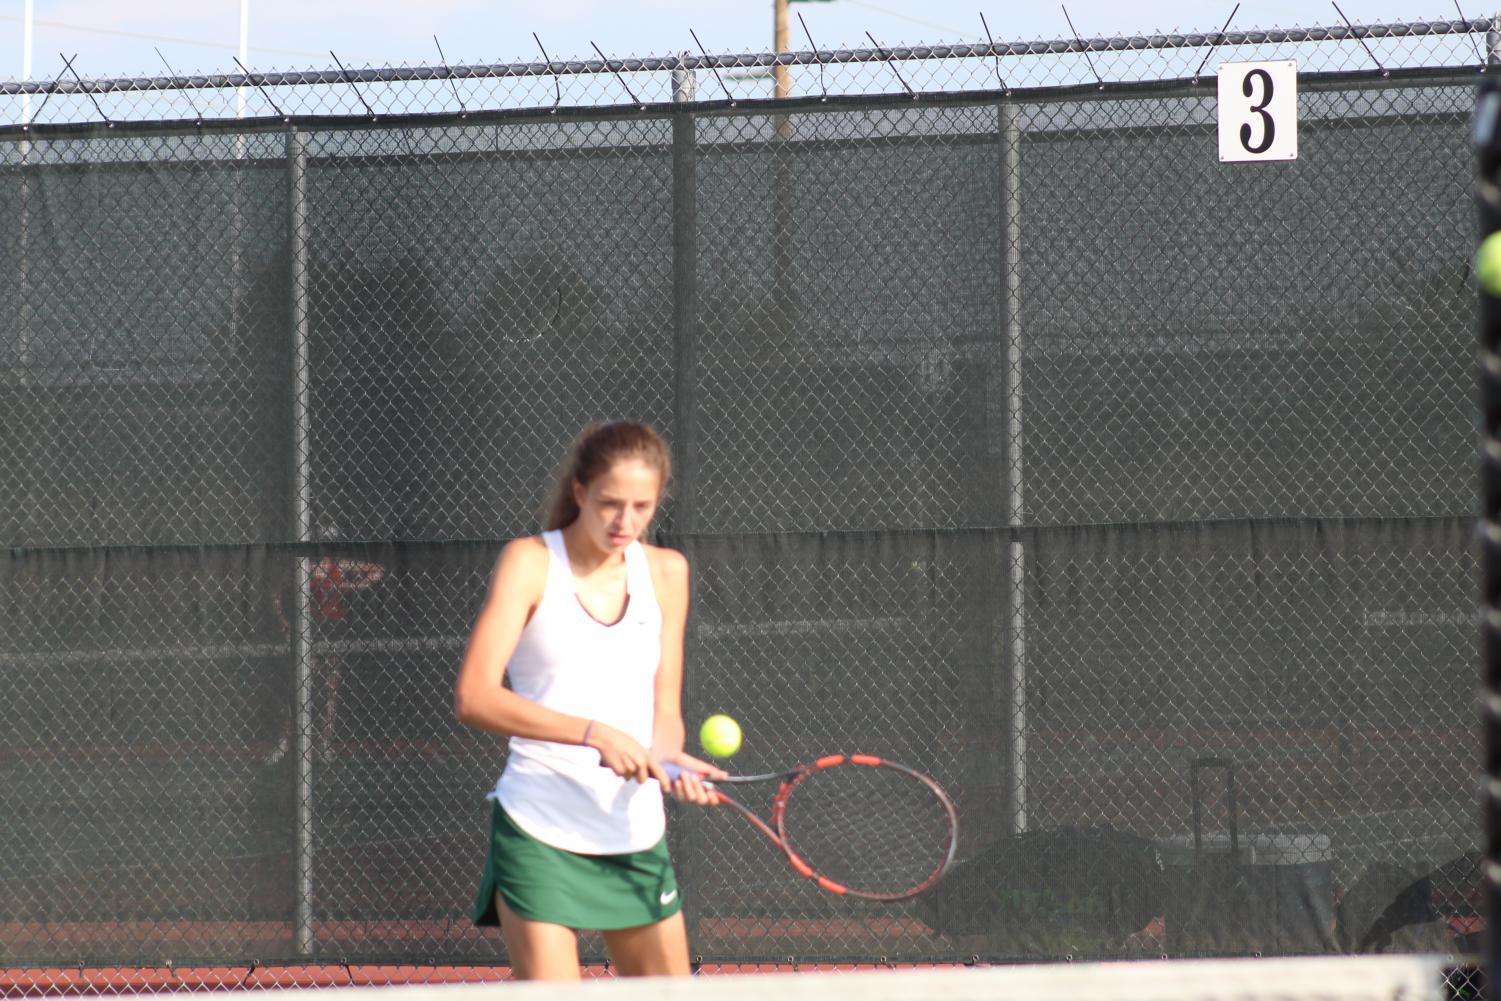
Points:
[[668, 898]]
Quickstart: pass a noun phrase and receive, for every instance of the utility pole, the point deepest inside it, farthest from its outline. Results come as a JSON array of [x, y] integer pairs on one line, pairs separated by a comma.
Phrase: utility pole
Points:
[[28, 20], [779, 45], [244, 54]]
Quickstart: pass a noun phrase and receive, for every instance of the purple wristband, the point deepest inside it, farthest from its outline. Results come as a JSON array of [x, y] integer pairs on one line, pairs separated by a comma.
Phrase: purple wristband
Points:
[[589, 726]]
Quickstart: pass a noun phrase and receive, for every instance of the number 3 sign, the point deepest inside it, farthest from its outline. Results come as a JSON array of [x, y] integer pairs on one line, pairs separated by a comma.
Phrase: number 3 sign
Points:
[[1258, 111]]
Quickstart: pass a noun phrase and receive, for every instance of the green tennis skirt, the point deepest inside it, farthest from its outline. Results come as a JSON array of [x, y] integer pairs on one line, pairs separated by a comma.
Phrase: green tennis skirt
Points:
[[594, 892]]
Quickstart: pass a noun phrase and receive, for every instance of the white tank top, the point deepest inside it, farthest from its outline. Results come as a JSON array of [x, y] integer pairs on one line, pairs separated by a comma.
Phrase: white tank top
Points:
[[569, 661]]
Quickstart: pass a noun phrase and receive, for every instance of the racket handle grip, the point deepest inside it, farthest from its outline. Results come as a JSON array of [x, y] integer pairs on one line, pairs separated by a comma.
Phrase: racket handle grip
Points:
[[676, 771]]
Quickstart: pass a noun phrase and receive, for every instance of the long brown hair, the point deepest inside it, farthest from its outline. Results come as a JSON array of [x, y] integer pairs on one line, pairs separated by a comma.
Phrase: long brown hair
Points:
[[597, 448]]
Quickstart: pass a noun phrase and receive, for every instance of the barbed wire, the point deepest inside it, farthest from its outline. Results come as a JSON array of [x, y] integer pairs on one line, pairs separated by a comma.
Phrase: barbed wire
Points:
[[428, 88]]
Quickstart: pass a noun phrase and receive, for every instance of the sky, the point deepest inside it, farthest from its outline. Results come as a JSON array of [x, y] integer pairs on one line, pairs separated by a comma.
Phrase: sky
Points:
[[121, 37]]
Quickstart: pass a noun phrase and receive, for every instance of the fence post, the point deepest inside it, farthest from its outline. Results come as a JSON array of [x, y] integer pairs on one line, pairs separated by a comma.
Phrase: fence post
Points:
[[1016, 608], [300, 618], [684, 362], [684, 83], [1486, 135], [684, 300], [23, 271]]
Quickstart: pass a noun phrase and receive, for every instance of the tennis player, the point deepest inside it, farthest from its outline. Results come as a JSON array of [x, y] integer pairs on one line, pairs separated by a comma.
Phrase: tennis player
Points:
[[587, 622], [330, 583]]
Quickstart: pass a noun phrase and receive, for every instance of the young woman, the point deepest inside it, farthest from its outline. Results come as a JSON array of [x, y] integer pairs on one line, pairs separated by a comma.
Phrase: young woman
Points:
[[588, 621]]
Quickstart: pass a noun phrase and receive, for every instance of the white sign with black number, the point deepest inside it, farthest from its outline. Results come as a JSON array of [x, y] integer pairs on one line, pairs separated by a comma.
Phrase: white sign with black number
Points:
[[1258, 111]]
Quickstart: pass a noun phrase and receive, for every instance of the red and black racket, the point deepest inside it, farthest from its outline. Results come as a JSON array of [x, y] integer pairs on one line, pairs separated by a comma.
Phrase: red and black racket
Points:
[[856, 825]]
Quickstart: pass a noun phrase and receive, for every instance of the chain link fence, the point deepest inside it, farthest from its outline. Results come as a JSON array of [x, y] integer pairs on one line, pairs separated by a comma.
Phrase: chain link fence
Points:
[[1019, 439]]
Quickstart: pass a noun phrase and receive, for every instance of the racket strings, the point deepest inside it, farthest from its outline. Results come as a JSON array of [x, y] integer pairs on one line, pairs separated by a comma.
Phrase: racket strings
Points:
[[876, 830]]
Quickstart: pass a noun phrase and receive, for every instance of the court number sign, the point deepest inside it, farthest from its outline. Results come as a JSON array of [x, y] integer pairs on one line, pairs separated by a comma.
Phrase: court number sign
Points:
[[1258, 111]]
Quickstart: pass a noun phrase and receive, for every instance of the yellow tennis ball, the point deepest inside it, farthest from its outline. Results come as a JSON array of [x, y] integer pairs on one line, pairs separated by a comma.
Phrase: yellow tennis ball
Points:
[[1488, 264], [720, 736]]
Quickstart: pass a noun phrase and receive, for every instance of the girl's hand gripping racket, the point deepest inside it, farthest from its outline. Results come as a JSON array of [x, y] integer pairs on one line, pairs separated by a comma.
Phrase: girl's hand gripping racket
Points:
[[855, 824]]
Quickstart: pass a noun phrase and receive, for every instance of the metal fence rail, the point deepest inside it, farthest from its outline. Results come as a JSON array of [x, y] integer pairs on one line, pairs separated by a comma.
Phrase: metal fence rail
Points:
[[1128, 492], [914, 70]]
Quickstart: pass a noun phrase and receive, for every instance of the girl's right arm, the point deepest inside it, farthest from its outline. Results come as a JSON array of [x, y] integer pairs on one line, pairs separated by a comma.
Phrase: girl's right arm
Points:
[[482, 702]]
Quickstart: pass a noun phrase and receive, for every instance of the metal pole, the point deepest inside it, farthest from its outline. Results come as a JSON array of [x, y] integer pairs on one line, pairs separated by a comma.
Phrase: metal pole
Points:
[[240, 91], [781, 193], [684, 298], [23, 237], [684, 390], [1487, 125], [244, 55], [779, 37], [23, 268], [27, 27], [1486, 136], [23, 335], [302, 524], [1016, 620], [684, 83]]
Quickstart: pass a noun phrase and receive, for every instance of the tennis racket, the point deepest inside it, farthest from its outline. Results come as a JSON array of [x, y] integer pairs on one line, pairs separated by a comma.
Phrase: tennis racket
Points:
[[855, 824]]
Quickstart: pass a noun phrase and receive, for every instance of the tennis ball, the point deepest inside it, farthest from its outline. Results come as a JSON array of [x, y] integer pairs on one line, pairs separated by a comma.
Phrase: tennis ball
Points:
[[720, 736], [1488, 264]]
